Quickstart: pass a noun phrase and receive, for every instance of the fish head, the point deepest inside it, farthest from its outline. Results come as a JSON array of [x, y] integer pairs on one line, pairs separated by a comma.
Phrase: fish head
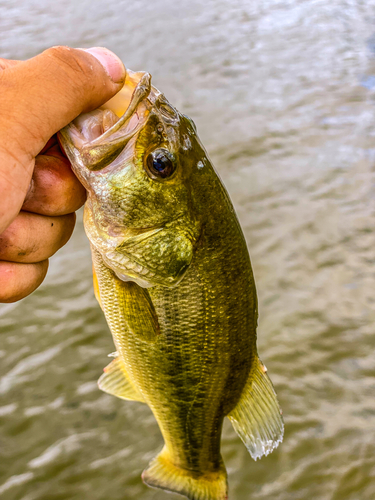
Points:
[[135, 156]]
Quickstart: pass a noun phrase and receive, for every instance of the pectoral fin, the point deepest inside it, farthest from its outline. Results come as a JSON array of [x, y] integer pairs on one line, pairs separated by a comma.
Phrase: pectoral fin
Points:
[[114, 381], [139, 312], [97, 153], [257, 417], [96, 286]]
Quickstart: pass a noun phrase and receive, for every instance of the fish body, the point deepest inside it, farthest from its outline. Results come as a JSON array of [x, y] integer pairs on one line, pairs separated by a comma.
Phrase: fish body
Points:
[[173, 276]]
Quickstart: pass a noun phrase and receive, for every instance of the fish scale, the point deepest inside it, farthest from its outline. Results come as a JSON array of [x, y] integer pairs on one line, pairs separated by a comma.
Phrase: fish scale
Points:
[[191, 339], [194, 338], [185, 333]]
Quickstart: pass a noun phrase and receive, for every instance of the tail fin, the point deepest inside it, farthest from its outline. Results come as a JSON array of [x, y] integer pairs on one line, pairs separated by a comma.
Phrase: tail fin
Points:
[[257, 417], [161, 473]]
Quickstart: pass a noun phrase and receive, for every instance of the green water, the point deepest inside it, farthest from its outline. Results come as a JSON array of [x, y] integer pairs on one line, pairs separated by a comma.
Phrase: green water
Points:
[[283, 94]]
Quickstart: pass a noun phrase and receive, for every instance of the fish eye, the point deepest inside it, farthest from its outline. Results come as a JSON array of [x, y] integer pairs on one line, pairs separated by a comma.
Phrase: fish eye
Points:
[[160, 164]]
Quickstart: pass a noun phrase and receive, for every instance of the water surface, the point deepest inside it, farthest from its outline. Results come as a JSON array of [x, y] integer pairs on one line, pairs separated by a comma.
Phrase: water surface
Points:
[[283, 95]]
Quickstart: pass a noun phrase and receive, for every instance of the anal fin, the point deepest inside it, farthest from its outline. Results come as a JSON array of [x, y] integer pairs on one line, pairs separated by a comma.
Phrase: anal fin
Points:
[[115, 381], [257, 417]]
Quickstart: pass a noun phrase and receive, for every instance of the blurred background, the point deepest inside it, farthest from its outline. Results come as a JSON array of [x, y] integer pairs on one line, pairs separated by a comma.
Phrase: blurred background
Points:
[[283, 94]]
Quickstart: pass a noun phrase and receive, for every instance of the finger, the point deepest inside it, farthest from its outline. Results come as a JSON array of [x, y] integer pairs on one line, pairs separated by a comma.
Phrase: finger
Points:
[[50, 143], [61, 84], [54, 189], [19, 280], [7, 63], [32, 238]]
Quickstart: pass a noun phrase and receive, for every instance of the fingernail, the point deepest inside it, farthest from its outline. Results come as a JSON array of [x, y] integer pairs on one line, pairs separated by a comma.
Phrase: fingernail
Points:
[[110, 62]]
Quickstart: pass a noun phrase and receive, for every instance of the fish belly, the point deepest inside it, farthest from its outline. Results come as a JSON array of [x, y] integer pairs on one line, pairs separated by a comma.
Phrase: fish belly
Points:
[[191, 370]]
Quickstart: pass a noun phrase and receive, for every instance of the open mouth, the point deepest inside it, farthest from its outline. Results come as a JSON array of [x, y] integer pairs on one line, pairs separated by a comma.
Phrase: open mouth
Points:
[[119, 104], [99, 136]]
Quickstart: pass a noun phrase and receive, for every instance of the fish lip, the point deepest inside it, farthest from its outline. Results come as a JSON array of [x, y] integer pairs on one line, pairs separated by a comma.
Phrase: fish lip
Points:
[[94, 148], [140, 93], [119, 103]]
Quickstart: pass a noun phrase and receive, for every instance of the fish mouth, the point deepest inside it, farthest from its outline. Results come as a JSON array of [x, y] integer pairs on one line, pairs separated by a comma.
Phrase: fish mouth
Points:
[[95, 139], [120, 103]]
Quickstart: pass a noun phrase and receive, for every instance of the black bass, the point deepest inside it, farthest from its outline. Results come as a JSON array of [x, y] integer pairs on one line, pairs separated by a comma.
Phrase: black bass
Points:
[[173, 276]]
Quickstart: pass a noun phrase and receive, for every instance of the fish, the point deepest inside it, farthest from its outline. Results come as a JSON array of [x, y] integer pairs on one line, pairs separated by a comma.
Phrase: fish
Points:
[[172, 274]]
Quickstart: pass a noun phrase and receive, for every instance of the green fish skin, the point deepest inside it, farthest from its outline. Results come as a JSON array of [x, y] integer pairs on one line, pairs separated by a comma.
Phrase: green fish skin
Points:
[[173, 276]]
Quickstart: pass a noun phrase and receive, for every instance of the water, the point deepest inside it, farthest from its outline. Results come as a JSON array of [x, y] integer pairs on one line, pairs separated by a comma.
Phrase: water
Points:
[[283, 95]]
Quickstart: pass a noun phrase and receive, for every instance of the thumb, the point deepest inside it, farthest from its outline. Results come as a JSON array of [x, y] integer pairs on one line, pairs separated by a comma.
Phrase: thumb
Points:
[[7, 63], [45, 93], [40, 96]]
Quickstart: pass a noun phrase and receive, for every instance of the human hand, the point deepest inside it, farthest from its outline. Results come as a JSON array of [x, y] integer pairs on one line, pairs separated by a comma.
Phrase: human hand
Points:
[[38, 191]]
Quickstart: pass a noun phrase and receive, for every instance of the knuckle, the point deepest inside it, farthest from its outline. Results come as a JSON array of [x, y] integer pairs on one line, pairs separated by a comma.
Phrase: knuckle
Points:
[[9, 294], [12, 234], [57, 190], [5, 240], [11, 289], [3, 63], [75, 196], [6, 63], [70, 195]]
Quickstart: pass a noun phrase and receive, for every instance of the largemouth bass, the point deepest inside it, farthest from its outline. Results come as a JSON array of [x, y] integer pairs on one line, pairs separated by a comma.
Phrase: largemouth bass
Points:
[[173, 276]]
